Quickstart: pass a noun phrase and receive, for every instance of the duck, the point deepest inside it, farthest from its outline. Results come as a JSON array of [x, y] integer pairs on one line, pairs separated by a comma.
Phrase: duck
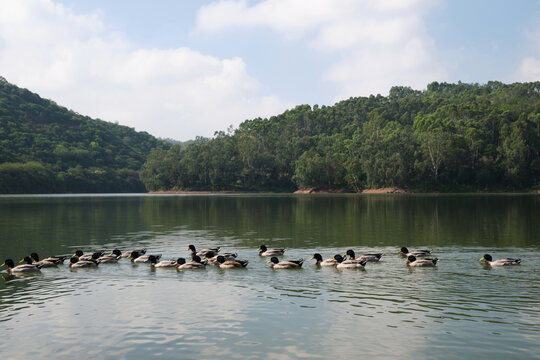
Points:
[[75, 262], [112, 258], [488, 260], [40, 264], [326, 262], [348, 264], [195, 263], [228, 264], [127, 254], [285, 264], [55, 259], [138, 258], [264, 251], [418, 253], [367, 257], [163, 263], [227, 256], [19, 269], [88, 256], [412, 261], [204, 252]]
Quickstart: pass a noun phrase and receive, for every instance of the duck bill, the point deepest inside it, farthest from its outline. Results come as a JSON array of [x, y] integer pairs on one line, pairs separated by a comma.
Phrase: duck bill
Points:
[[21, 261], [482, 259]]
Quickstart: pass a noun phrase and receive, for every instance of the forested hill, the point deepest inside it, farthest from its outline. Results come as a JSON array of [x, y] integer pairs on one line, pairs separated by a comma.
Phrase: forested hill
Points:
[[45, 148], [449, 137]]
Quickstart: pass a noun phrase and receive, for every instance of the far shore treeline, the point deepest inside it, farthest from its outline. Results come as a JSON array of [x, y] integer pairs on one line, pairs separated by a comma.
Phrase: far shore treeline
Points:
[[449, 137]]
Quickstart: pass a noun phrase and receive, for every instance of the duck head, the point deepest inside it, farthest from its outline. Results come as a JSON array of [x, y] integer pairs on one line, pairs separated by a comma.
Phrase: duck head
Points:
[[411, 258], [263, 248], [274, 260], [9, 263], [404, 250], [486, 257], [351, 253], [338, 258], [317, 257], [35, 256]]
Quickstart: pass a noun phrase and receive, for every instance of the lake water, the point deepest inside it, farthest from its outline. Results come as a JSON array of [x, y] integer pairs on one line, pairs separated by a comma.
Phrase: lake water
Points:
[[460, 309]]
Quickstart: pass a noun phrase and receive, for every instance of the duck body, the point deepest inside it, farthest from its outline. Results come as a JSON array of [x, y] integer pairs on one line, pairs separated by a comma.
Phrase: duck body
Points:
[[195, 263], [127, 254], [229, 264], [264, 251], [39, 264], [75, 263], [137, 258], [341, 263], [204, 252], [413, 262], [325, 262], [19, 269], [227, 256], [163, 263], [416, 253], [285, 264], [54, 259], [88, 256], [363, 257], [488, 260]]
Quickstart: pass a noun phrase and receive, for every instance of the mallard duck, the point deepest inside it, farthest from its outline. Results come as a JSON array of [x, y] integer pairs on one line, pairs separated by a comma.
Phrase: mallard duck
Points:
[[19, 269], [285, 264], [138, 258], [348, 264], [112, 258], [162, 264], [204, 252], [195, 263], [40, 264], [326, 262], [488, 260], [127, 254], [74, 262], [88, 256], [366, 257], [412, 261], [264, 251], [227, 256], [228, 264], [55, 259], [418, 253]]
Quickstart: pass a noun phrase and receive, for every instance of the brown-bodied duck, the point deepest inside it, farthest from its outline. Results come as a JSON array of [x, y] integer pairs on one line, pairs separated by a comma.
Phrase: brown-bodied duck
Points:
[[204, 252], [326, 262]]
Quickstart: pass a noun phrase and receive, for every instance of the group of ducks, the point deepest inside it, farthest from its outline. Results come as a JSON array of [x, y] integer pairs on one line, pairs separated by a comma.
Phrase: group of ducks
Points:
[[417, 258]]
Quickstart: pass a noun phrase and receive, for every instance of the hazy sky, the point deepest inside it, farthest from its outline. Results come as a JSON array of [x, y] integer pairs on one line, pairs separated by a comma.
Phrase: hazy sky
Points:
[[182, 68]]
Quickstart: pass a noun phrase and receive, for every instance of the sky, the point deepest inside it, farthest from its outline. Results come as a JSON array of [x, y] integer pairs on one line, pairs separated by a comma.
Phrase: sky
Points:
[[185, 68]]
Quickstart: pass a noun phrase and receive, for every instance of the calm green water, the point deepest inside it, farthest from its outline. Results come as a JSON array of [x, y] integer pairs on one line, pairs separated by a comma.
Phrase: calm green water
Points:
[[458, 310]]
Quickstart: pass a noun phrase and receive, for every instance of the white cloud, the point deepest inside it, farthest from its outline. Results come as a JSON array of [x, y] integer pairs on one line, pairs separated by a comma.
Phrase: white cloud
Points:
[[374, 44], [78, 62], [529, 69]]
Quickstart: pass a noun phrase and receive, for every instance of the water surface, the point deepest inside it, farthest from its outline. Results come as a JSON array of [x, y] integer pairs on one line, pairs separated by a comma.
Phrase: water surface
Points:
[[460, 309]]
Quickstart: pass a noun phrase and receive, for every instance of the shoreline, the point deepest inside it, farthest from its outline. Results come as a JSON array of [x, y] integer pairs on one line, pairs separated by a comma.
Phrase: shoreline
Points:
[[389, 190]]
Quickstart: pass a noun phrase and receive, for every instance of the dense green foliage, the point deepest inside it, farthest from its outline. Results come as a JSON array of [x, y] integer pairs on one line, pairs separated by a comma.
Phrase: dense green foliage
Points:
[[450, 137], [46, 148]]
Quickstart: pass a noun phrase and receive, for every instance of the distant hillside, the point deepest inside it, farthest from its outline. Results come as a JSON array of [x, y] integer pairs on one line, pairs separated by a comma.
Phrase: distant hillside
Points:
[[449, 137], [46, 148]]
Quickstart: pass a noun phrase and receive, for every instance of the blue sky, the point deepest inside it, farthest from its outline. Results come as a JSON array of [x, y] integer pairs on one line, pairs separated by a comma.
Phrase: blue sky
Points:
[[180, 69]]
